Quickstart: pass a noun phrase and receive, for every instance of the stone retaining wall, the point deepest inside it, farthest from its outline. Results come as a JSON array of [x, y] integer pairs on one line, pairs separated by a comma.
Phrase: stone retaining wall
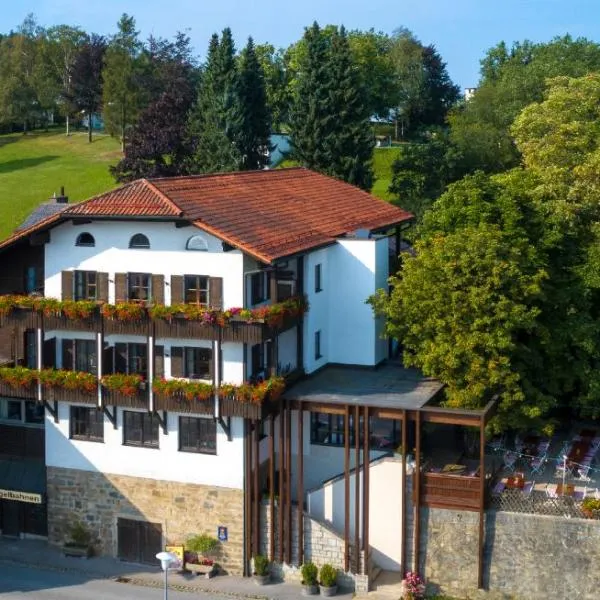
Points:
[[526, 556], [99, 499], [321, 545]]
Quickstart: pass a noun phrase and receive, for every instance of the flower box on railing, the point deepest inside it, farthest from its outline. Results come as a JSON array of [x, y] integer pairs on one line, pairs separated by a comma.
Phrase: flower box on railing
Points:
[[179, 403], [27, 392], [72, 396]]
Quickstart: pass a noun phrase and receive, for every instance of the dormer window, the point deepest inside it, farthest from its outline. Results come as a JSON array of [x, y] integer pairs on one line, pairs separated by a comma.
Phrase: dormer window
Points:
[[197, 242], [139, 240], [85, 239]]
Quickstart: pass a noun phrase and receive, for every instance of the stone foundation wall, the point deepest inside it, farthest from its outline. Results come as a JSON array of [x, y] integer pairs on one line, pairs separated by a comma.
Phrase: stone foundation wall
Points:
[[321, 545], [99, 499], [526, 556]]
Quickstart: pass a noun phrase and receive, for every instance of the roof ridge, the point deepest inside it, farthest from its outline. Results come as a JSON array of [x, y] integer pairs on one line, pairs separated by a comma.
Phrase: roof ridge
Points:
[[95, 197], [162, 196], [225, 173]]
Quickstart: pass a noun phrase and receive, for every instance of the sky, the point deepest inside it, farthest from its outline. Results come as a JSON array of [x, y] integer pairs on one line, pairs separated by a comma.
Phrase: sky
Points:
[[461, 30]]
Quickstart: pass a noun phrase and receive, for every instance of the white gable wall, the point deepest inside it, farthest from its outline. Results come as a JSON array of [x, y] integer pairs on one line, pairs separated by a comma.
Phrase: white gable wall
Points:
[[167, 256]]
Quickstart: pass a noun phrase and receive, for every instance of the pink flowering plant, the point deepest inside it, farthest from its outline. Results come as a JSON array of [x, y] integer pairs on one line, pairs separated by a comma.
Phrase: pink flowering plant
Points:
[[413, 587]]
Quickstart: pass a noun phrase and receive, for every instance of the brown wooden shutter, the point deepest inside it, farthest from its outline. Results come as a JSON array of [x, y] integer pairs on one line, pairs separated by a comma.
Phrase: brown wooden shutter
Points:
[[176, 361], [158, 289], [102, 289], [49, 354], [159, 362], [121, 287], [68, 355], [120, 364], [215, 292], [177, 289], [108, 360], [67, 285]]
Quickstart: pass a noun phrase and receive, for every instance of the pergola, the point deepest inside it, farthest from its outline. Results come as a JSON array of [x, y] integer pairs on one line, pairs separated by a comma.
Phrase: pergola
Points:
[[387, 392]]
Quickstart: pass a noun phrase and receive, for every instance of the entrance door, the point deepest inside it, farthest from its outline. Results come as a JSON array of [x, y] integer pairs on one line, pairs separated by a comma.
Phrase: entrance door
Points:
[[139, 541], [11, 516]]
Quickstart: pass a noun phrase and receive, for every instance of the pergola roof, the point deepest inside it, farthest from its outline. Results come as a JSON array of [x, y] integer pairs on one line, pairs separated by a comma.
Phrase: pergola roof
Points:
[[390, 386]]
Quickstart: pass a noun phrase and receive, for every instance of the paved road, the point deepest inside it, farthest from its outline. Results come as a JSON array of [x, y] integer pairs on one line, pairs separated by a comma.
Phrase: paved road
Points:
[[26, 583]]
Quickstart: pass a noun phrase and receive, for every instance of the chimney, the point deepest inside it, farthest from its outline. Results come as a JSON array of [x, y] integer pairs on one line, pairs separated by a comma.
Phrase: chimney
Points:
[[62, 199]]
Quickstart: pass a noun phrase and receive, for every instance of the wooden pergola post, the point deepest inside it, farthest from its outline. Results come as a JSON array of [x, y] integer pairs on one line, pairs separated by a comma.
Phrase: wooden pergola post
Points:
[[365, 478], [357, 489], [288, 484], [403, 497], [481, 501], [256, 485], [417, 490], [272, 487], [300, 484], [281, 475], [347, 489]]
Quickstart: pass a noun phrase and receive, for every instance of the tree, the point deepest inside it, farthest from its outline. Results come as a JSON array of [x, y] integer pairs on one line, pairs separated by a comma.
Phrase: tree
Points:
[[277, 84], [121, 89], [330, 129], [62, 44], [215, 120], [86, 80], [158, 145], [255, 120]]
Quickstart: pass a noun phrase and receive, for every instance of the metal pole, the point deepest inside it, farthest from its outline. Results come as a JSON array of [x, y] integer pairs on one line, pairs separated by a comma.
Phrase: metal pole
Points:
[[166, 583]]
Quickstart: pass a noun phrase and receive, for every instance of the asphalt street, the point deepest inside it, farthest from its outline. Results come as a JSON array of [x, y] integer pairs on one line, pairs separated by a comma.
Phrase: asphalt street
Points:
[[27, 583]]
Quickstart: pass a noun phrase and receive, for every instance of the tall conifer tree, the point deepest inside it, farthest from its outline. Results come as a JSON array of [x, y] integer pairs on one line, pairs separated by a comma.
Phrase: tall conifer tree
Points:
[[330, 121], [255, 122]]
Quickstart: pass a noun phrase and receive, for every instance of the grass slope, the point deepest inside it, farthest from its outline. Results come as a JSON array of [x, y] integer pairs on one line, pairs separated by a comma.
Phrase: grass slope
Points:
[[34, 166]]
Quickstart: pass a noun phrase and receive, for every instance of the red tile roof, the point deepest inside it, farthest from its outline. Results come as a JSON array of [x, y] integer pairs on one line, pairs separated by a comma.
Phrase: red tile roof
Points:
[[268, 214]]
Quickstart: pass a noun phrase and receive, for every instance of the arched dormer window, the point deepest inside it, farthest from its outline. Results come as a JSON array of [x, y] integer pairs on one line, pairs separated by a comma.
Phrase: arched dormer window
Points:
[[139, 240], [197, 242], [85, 239]]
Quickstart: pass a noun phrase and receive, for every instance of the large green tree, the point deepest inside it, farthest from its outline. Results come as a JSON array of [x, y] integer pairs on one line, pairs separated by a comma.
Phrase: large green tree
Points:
[[215, 120], [252, 138], [121, 91], [330, 129]]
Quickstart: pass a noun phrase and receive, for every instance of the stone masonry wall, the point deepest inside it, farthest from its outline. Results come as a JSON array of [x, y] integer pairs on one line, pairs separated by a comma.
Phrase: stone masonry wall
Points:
[[98, 499], [321, 545], [526, 556]]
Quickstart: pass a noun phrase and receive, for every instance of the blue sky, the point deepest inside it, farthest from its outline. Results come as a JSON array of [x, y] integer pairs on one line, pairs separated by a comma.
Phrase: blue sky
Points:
[[462, 30]]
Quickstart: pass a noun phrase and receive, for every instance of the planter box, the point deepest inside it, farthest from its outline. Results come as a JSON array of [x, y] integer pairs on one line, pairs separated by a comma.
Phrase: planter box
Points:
[[92, 323], [112, 398], [116, 326], [207, 571], [71, 396], [183, 405], [76, 551], [27, 392]]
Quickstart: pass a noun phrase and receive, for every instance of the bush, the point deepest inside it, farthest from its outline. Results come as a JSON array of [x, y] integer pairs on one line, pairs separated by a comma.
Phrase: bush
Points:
[[202, 544], [590, 504], [261, 565], [309, 573], [80, 534], [328, 576]]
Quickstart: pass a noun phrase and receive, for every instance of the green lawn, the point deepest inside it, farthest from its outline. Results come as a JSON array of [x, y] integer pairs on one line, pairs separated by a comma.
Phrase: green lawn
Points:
[[34, 166], [383, 159]]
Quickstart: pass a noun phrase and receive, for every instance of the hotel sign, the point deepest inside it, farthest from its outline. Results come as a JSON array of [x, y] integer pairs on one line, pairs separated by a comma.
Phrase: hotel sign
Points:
[[20, 496]]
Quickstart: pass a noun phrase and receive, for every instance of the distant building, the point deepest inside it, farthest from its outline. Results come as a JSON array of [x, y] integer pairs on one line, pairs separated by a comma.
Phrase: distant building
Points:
[[470, 92]]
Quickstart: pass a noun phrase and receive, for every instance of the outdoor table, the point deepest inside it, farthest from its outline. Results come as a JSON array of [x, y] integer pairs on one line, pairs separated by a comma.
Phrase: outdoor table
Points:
[[515, 482]]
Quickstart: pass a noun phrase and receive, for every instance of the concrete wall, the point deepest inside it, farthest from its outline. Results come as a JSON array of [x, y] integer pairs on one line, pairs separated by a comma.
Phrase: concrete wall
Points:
[[167, 256], [99, 499], [385, 517], [225, 469], [527, 556]]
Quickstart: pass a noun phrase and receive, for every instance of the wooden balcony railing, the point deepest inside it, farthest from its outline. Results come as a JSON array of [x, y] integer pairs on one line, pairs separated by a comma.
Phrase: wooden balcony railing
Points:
[[182, 321], [441, 490]]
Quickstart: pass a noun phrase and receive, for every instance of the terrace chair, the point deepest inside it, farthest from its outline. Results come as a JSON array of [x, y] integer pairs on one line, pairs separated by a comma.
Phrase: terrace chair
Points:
[[583, 474], [560, 468]]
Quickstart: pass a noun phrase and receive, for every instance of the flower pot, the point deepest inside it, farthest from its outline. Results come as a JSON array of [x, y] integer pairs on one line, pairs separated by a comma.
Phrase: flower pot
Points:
[[310, 590], [328, 591], [262, 579], [76, 550]]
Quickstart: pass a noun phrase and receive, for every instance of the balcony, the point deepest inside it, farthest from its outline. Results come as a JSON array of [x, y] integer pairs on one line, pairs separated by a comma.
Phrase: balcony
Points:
[[182, 321], [182, 404]]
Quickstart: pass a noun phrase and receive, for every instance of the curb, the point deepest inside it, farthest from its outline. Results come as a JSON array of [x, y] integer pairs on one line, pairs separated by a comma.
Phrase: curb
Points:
[[123, 579]]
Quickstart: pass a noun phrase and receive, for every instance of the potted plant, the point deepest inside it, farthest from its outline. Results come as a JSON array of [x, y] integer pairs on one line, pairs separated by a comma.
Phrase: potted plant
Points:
[[80, 541], [310, 579], [200, 553], [413, 587], [589, 506], [262, 571], [328, 580]]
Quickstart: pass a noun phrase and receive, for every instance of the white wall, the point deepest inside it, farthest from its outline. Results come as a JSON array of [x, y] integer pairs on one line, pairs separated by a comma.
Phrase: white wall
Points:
[[167, 256], [225, 469], [385, 516], [352, 269]]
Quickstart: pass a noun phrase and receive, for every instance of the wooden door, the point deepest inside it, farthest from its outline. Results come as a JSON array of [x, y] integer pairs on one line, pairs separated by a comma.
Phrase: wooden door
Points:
[[138, 541]]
